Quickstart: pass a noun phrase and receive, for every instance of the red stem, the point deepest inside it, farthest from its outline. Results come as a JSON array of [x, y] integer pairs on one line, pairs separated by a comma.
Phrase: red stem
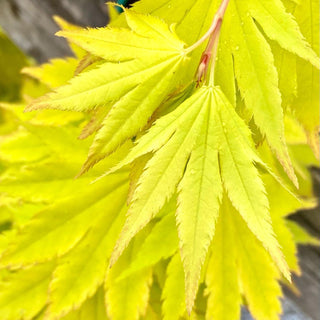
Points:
[[211, 49]]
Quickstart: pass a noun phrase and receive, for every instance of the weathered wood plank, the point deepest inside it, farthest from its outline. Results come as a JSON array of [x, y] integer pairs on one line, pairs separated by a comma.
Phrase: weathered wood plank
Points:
[[309, 257], [30, 25], [308, 284]]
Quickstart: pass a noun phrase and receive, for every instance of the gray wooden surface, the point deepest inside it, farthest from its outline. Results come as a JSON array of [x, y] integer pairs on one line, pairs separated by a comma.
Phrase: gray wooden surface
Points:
[[309, 282], [29, 24]]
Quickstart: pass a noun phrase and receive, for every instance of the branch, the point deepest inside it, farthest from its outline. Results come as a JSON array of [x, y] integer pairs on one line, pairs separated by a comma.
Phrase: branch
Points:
[[217, 19], [212, 46]]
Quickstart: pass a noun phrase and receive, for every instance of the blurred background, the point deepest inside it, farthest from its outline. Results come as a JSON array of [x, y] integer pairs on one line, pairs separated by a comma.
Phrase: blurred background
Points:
[[29, 24]]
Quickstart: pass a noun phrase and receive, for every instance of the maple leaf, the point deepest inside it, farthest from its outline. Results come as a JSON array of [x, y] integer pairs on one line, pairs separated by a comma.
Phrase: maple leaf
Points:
[[205, 162], [150, 33], [142, 66], [255, 74], [37, 181], [253, 65]]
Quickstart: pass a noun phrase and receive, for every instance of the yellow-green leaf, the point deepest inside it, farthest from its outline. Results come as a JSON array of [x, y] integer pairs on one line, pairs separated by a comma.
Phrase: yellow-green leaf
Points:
[[127, 299], [59, 228], [257, 275], [83, 269], [25, 292], [200, 192], [241, 178], [162, 172]]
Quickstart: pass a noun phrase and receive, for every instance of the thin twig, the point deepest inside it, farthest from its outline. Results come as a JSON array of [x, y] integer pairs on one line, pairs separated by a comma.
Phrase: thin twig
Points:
[[214, 51], [218, 17], [210, 52]]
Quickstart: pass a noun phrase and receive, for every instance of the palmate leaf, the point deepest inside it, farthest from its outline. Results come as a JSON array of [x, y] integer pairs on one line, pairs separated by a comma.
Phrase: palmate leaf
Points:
[[264, 100], [204, 117], [197, 140], [251, 64], [139, 77], [254, 68], [31, 178], [28, 188]]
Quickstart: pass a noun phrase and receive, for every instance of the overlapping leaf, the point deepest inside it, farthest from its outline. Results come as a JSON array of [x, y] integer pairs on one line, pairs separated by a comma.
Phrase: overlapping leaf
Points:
[[57, 229], [196, 147], [156, 246], [83, 270], [127, 298], [221, 277], [54, 74], [93, 309], [142, 66], [254, 68], [75, 216], [258, 87]]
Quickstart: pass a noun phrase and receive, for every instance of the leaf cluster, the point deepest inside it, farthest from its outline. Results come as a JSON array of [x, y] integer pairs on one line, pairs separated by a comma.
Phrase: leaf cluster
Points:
[[182, 194]]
